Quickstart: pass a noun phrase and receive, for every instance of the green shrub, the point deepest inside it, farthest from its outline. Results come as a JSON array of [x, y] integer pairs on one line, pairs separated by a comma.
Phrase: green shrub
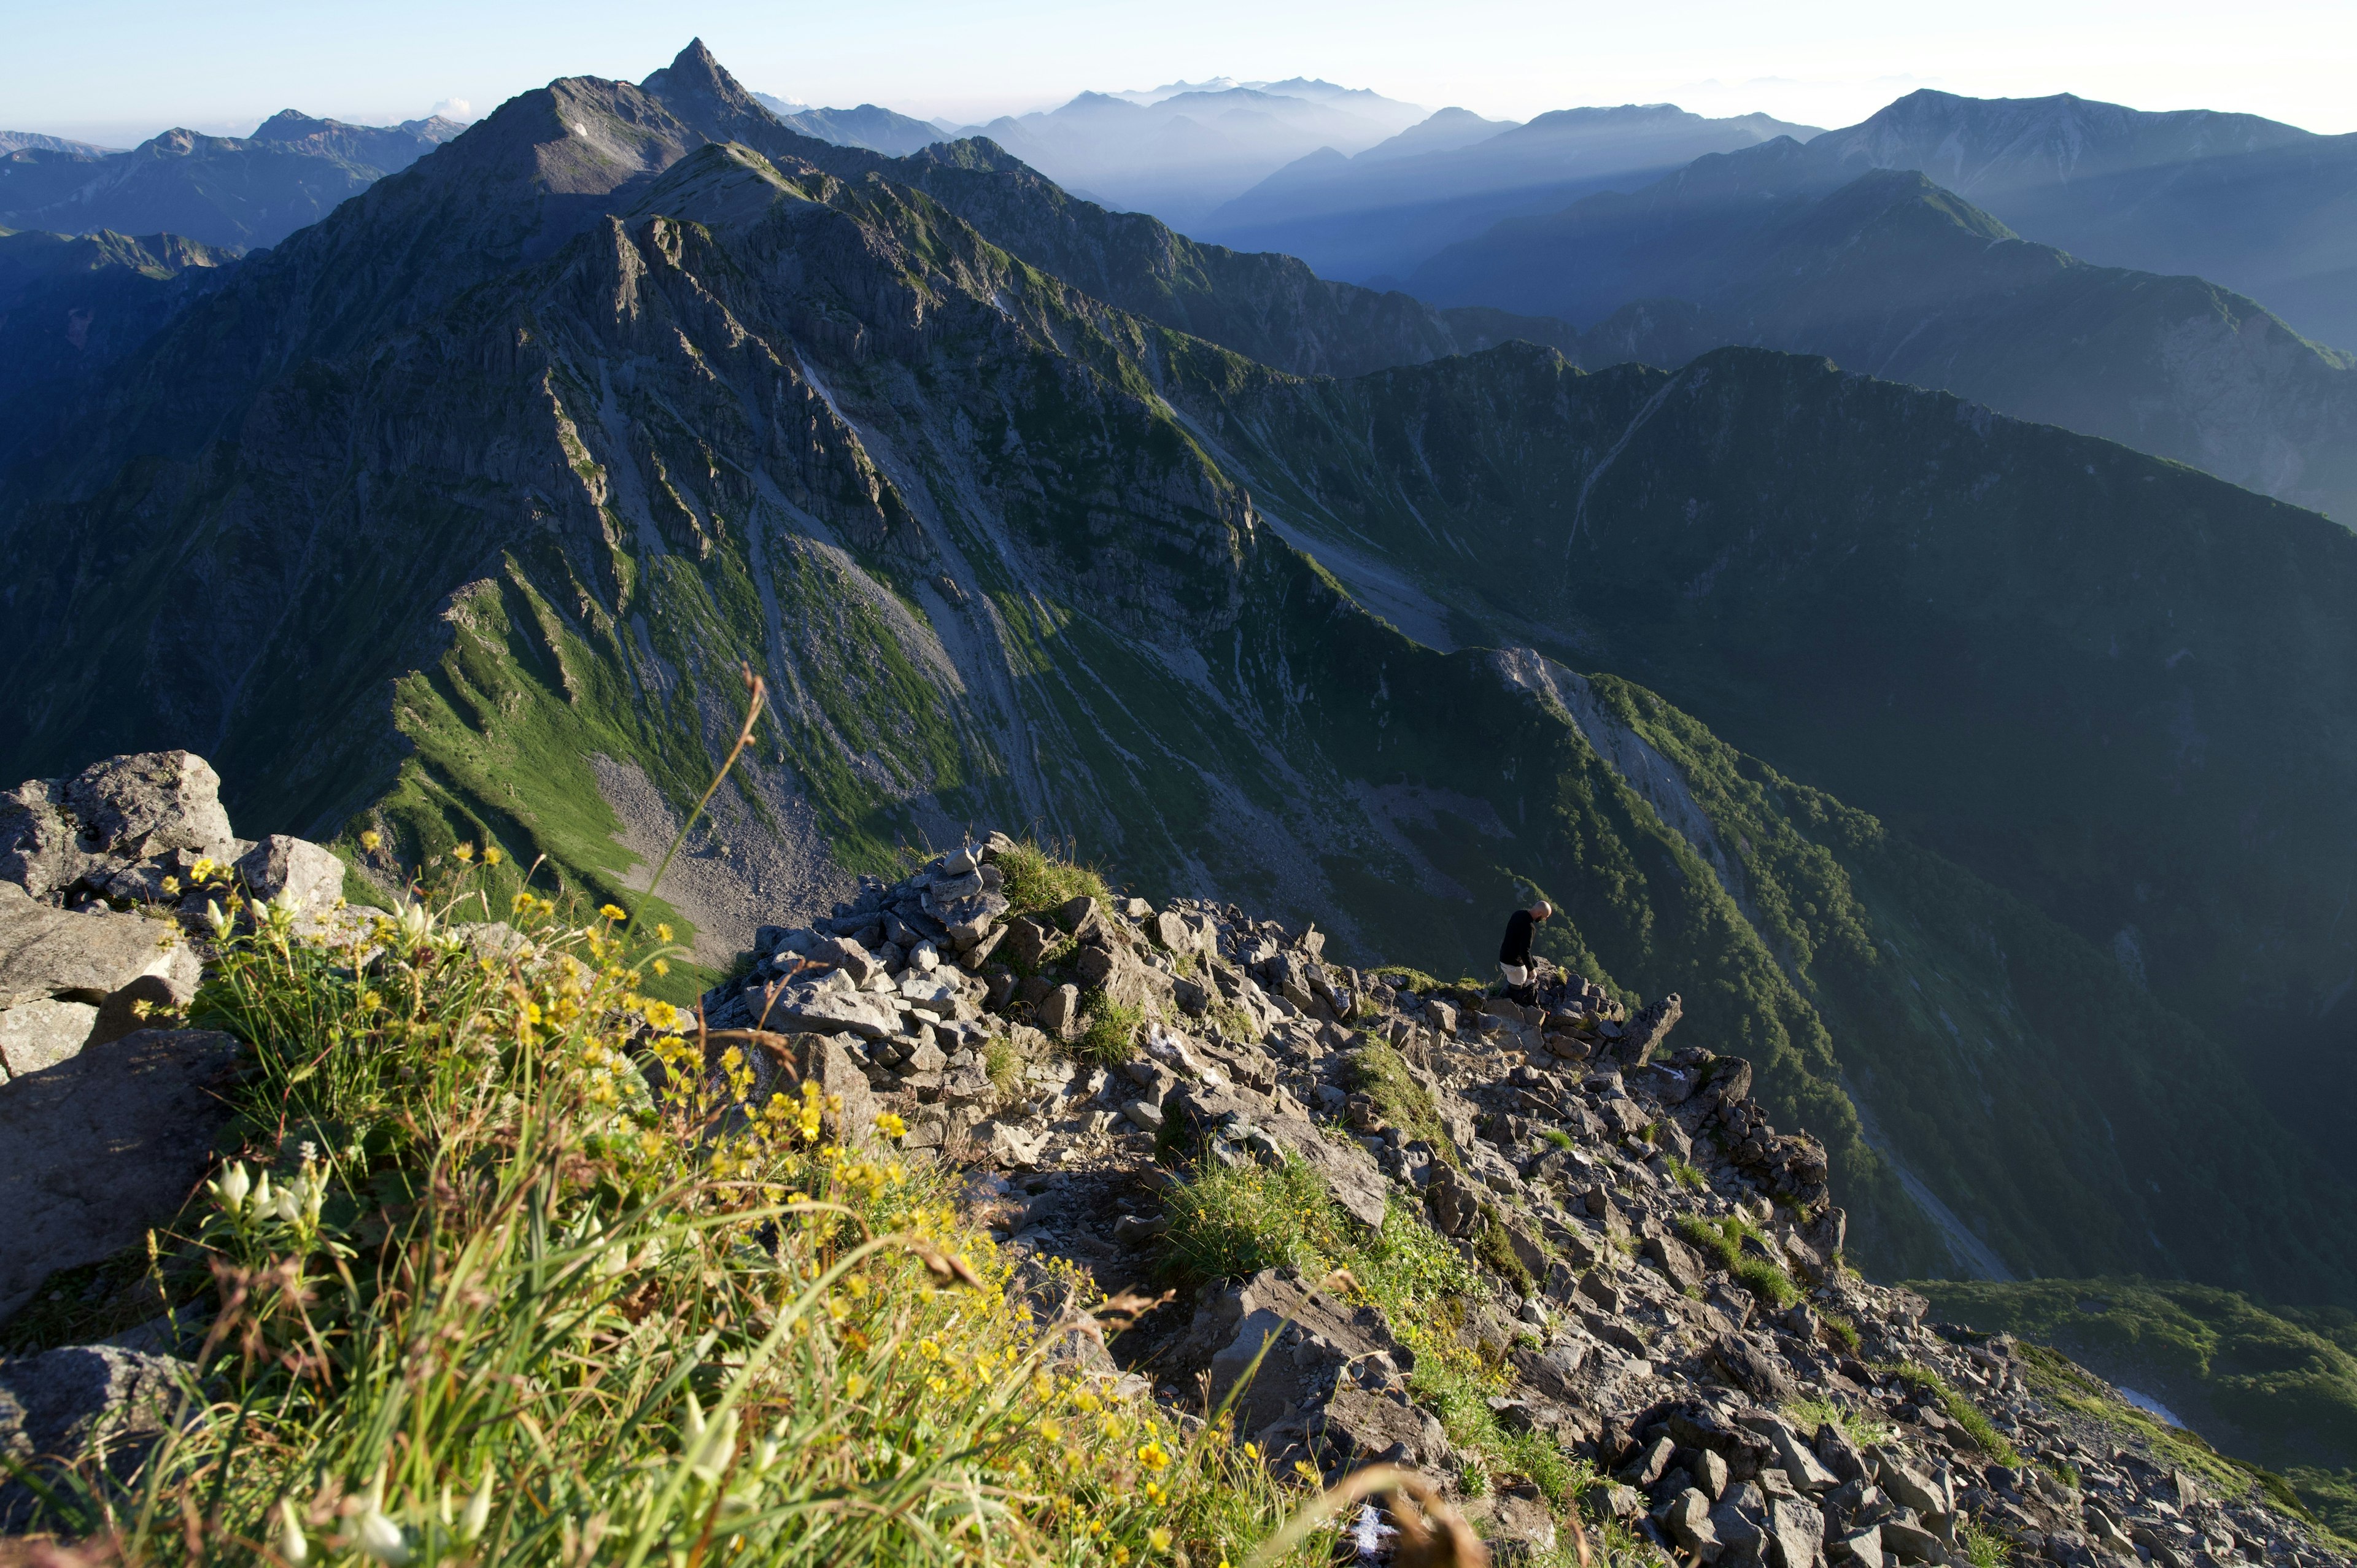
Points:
[[1844, 1331], [1960, 1409], [1232, 1220], [1494, 1247], [1557, 1138], [1003, 1062], [1861, 1429], [1723, 1240]]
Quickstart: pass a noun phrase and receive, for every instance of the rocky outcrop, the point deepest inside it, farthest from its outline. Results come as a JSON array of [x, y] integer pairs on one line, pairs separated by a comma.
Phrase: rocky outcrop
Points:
[[1662, 1286], [109, 881], [105, 880]]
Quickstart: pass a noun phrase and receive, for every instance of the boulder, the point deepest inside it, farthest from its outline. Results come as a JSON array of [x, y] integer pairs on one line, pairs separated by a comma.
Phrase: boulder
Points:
[[1642, 1034], [103, 1147], [850, 1114], [1796, 1533], [37, 1035], [1676, 1260], [1060, 1012], [50, 952], [1752, 1369], [833, 1012], [284, 867], [139, 807], [1686, 1520], [846, 954], [57, 1404]]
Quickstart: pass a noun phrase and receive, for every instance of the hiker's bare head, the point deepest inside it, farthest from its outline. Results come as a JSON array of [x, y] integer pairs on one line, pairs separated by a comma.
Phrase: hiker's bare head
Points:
[[1541, 909]]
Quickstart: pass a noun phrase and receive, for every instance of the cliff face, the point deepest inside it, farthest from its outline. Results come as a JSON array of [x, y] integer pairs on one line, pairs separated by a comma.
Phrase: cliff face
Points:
[[480, 495]]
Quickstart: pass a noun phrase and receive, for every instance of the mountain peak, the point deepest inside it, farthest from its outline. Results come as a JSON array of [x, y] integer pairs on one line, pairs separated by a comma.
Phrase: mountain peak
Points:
[[696, 74]]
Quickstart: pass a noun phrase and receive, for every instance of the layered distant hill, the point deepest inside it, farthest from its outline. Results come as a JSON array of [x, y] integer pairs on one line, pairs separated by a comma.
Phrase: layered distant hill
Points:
[[871, 126], [1793, 247], [70, 306], [1985, 787], [242, 192], [1380, 213], [2268, 209]]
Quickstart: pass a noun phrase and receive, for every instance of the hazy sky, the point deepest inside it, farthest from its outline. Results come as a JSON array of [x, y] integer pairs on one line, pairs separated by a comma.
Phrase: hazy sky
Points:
[[122, 71]]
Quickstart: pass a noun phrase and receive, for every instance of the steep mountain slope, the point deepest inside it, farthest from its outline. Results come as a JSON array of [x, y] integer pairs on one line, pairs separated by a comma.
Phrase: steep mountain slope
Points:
[[414, 536], [217, 190], [2116, 688], [70, 306], [1891, 275], [2266, 208], [1386, 210], [2279, 1386]]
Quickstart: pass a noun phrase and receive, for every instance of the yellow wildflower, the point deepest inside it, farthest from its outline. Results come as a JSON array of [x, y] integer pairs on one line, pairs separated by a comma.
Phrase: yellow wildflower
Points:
[[371, 841], [462, 853], [492, 856]]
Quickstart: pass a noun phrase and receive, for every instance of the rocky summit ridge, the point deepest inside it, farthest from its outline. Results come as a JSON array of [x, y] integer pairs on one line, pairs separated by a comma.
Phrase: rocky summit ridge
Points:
[[1659, 1287], [1649, 1275]]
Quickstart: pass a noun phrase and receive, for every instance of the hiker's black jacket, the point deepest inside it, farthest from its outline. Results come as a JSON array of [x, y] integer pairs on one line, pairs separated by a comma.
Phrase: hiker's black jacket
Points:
[[1516, 948]]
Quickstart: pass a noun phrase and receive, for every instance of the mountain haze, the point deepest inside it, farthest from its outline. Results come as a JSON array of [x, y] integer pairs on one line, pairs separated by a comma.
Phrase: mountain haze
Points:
[[1889, 273], [1385, 210]]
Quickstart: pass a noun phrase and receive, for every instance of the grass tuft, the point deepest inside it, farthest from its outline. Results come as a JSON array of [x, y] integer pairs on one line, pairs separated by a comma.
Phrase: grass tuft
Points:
[[1723, 1240], [1232, 1220], [1382, 1074], [1038, 881], [1111, 1038], [1958, 1408]]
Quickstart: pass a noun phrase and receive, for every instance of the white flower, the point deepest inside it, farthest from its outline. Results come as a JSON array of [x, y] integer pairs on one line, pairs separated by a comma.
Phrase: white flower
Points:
[[415, 920], [231, 1189], [379, 1537], [709, 1446], [215, 919], [478, 1509], [292, 1546]]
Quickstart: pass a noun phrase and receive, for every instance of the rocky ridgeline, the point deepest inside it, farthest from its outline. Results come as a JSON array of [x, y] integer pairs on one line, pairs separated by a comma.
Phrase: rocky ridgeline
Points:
[[1630, 1204]]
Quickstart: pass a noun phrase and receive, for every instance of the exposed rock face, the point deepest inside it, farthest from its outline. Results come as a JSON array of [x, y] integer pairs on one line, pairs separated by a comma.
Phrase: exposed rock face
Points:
[[57, 1403], [102, 1145], [103, 878]]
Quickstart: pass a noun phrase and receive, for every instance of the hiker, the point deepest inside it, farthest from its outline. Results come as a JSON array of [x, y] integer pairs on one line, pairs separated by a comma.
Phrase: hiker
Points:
[[1514, 960]]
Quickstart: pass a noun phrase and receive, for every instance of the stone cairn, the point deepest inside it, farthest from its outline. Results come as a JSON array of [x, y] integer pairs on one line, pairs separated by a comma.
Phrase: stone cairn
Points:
[[1568, 1137]]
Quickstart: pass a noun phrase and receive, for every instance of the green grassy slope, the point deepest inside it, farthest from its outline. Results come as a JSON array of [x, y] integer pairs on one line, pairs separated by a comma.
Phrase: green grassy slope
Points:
[[2278, 1385]]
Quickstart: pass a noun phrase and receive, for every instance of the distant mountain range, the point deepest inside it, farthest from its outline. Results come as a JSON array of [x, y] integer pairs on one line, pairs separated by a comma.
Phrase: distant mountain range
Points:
[[1985, 786], [2268, 209], [878, 129], [1182, 155], [1379, 214], [70, 306], [238, 191]]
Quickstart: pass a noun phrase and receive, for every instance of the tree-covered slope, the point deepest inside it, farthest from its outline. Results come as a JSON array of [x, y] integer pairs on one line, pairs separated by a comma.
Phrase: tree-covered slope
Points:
[[2113, 688]]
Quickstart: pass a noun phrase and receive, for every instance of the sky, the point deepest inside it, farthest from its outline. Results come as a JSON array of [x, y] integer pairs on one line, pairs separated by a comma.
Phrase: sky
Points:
[[221, 68]]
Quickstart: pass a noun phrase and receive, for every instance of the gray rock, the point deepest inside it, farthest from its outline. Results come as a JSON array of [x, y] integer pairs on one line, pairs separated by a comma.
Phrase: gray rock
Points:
[[1144, 1113], [41, 1034], [846, 955], [103, 1147], [1686, 1519], [58, 1404], [1863, 1547], [1911, 1542], [37, 849], [52, 953], [1751, 1369], [1796, 1533], [282, 866], [141, 806], [1061, 1011], [833, 1012]]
